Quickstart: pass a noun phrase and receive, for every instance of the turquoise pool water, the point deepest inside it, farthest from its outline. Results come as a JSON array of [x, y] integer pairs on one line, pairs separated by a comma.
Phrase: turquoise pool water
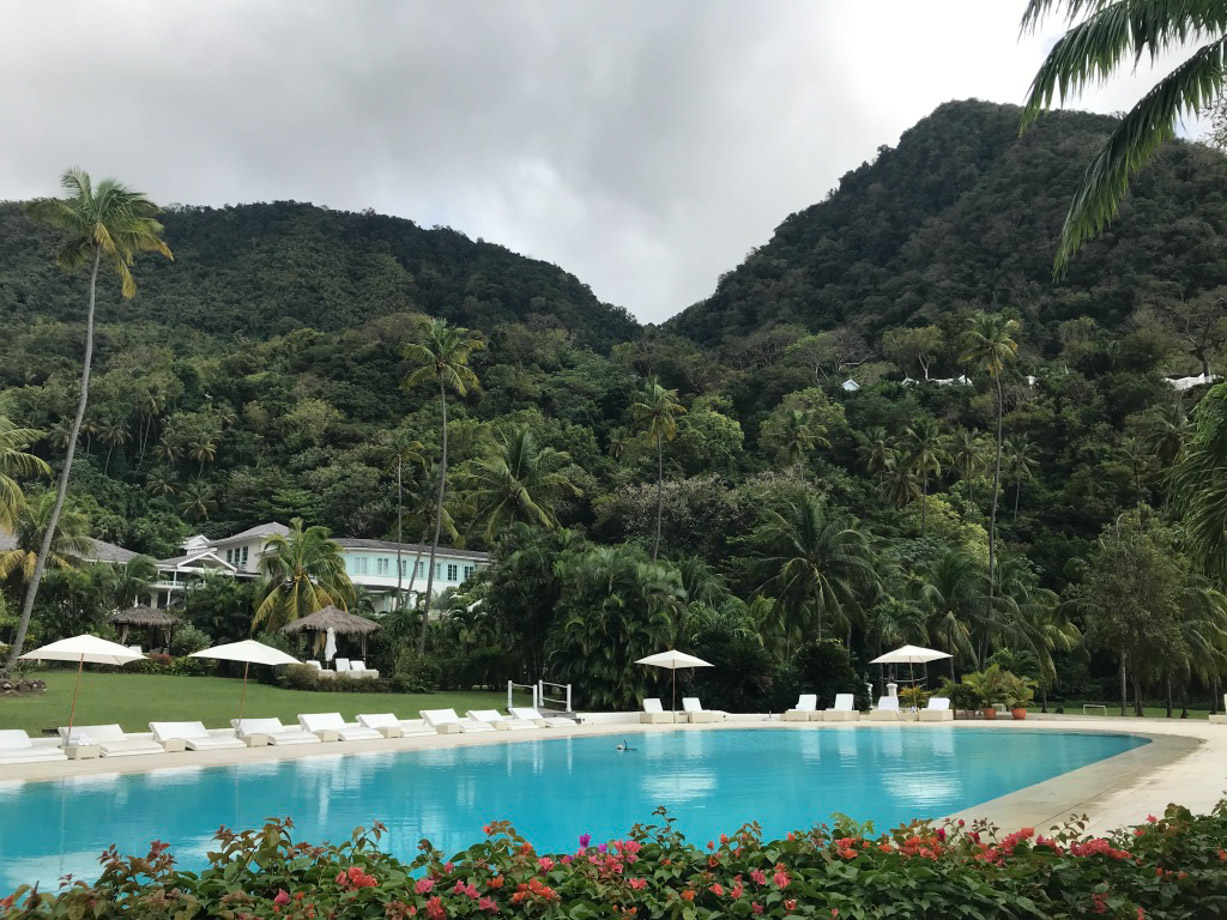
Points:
[[552, 790]]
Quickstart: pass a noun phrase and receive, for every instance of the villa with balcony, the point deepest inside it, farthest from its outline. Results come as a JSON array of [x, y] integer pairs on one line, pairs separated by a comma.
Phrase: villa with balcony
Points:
[[371, 564]]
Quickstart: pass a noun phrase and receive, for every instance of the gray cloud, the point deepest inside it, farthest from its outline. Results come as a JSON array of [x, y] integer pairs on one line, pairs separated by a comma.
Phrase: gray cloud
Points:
[[644, 146]]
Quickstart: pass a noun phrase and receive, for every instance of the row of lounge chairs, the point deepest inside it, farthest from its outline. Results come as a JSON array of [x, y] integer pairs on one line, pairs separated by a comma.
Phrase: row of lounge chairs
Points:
[[654, 712], [938, 710], [313, 728]]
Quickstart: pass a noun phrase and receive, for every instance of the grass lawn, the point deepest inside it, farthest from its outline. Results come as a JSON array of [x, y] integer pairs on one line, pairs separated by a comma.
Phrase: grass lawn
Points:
[[1150, 712], [134, 700]]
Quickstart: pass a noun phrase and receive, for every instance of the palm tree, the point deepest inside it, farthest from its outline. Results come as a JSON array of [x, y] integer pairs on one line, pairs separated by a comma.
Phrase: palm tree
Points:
[[1199, 484], [160, 482], [518, 480], [799, 435], [923, 440], [108, 223], [1166, 430], [1020, 462], [1110, 34], [967, 454], [989, 344], [402, 448], [196, 501], [899, 479], [304, 571], [14, 461], [443, 358], [657, 411], [815, 565], [875, 450], [952, 588], [70, 543]]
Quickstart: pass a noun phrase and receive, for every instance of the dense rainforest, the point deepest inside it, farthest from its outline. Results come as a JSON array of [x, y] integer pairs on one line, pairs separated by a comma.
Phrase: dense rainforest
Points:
[[819, 435]]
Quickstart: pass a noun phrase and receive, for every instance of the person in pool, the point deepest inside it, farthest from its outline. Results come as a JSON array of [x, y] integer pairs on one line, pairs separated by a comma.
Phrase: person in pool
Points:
[[624, 746]]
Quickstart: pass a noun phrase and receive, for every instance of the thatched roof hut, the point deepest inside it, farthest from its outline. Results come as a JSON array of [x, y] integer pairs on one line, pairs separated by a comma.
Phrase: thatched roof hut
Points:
[[155, 621], [339, 621]]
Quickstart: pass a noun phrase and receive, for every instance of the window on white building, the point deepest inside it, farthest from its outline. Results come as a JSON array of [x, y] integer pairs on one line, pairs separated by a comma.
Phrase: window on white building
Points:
[[243, 564], [229, 555], [381, 565], [453, 572], [359, 565], [468, 572]]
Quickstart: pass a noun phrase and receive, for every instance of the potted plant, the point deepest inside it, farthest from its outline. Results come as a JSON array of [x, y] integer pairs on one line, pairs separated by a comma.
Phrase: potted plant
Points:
[[964, 698], [990, 686], [1020, 691], [913, 697]]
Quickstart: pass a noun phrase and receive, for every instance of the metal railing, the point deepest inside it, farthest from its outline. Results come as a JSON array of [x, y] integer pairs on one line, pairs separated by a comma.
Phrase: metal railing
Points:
[[562, 694], [512, 687]]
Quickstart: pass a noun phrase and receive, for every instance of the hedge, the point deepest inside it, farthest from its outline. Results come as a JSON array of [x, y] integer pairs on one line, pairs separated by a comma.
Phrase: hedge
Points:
[[1169, 867]]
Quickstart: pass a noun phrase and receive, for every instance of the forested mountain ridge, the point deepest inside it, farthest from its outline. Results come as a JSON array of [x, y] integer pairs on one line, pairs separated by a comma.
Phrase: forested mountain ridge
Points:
[[964, 213], [258, 270]]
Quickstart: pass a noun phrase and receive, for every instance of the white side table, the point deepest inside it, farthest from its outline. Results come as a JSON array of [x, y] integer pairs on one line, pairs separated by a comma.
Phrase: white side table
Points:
[[82, 751]]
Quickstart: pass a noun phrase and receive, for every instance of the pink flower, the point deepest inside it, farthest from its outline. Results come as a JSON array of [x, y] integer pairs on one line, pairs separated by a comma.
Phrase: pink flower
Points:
[[545, 863], [448, 867], [283, 897], [717, 889], [424, 885], [1151, 818], [941, 834], [781, 878], [487, 904], [759, 877], [638, 883], [584, 840], [601, 848], [756, 907]]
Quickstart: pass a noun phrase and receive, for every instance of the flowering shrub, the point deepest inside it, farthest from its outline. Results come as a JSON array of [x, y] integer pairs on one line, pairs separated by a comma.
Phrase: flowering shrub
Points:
[[1169, 867]]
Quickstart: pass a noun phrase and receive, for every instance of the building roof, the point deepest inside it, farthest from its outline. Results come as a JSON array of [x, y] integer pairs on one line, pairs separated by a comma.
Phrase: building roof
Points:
[[102, 551], [410, 548], [272, 528], [340, 621], [144, 616]]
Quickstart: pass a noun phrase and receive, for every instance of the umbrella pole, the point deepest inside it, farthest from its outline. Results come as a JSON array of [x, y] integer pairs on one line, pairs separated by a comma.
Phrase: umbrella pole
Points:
[[242, 697], [73, 712], [911, 672], [674, 701]]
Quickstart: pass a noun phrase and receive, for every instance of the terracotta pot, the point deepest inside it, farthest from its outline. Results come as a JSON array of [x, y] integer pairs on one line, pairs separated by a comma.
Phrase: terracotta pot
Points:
[[990, 713], [1019, 712]]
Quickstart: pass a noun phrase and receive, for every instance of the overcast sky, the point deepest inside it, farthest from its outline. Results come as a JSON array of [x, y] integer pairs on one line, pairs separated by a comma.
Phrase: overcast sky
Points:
[[645, 146]]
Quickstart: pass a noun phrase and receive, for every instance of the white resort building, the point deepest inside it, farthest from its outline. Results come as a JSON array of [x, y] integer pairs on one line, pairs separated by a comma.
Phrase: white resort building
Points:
[[370, 564]]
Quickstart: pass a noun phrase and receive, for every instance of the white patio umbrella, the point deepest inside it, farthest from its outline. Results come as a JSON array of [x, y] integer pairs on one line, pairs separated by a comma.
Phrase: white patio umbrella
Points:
[[911, 655], [250, 652], [673, 660], [330, 644], [81, 649]]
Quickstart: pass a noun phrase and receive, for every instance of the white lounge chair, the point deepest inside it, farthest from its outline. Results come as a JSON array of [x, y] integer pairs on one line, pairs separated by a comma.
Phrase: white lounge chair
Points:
[[194, 735], [341, 665], [112, 740], [533, 716], [844, 709], [359, 669], [329, 726], [887, 711], [500, 722], [806, 709], [274, 731], [16, 747], [654, 714], [388, 725], [695, 712], [446, 722], [938, 710]]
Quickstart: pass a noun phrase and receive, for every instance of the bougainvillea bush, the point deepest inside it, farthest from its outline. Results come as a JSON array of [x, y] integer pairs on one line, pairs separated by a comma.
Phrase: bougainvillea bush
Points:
[[1169, 867]]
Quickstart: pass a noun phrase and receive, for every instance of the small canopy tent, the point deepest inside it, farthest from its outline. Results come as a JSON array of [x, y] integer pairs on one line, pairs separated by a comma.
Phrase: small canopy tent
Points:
[[341, 622], [673, 660], [160, 624]]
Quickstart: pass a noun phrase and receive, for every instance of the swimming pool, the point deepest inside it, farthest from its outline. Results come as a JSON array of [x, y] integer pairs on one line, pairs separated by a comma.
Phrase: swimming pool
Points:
[[551, 790]]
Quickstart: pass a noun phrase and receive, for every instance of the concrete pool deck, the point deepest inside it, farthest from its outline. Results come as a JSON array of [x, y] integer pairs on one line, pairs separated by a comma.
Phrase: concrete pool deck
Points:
[[1185, 763]]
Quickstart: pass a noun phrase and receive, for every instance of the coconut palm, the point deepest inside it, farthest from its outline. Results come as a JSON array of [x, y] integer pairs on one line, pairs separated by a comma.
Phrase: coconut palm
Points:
[[925, 454], [196, 501], [815, 565], [1199, 484], [1020, 463], [989, 344], [442, 358], [899, 479], [1104, 36], [70, 543], [951, 588], [657, 411], [14, 461], [799, 435], [875, 450], [967, 454], [303, 571], [1165, 431], [518, 480], [402, 448], [105, 223]]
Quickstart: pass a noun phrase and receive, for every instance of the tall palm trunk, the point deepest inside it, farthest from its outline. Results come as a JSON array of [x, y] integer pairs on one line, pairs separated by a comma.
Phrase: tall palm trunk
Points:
[[992, 518], [1124, 692], [924, 501], [434, 546], [660, 495], [399, 520], [44, 549], [1017, 493]]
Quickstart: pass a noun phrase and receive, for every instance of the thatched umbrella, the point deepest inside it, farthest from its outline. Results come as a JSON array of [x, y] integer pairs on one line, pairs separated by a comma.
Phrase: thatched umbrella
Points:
[[143, 617], [336, 619]]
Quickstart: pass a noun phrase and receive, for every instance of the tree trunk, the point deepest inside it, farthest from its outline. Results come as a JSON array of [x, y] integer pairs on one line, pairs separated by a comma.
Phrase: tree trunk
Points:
[[1137, 693], [924, 501], [400, 514], [660, 495], [1017, 492], [434, 546], [1124, 693], [992, 517], [1184, 698], [44, 549], [1169, 695]]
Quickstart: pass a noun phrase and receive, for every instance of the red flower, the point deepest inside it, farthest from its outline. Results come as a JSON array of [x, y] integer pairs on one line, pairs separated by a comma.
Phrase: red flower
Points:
[[688, 894], [781, 878], [756, 907], [759, 877], [283, 897], [790, 905], [717, 889], [638, 883], [424, 885], [545, 863], [1099, 903], [487, 904]]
